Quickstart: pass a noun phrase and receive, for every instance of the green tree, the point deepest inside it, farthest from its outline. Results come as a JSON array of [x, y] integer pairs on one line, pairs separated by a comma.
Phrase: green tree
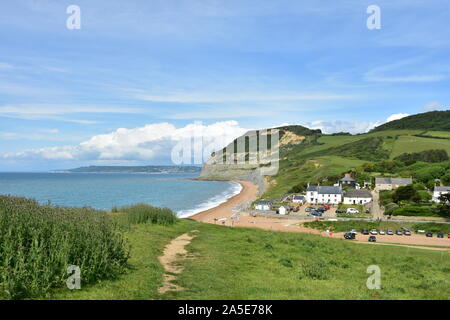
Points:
[[405, 193]]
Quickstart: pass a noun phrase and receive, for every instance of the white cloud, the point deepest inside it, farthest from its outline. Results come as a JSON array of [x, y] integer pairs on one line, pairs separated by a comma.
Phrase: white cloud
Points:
[[400, 71], [181, 97], [58, 112], [147, 143], [351, 126], [342, 126], [6, 66], [434, 105], [396, 116], [411, 78]]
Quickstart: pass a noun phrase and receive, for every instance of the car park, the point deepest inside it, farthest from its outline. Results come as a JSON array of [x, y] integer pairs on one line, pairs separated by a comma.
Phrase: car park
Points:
[[382, 232], [352, 210], [429, 234], [365, 231], [399, 232], [373, 231], [440, 235], [390, 233], [372, 239]]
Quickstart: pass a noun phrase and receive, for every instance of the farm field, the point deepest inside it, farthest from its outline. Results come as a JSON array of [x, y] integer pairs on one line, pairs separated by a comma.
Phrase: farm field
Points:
[[408, 144]]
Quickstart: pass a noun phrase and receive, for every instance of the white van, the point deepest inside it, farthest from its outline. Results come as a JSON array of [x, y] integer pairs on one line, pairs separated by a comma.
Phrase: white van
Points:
[[352, 210]]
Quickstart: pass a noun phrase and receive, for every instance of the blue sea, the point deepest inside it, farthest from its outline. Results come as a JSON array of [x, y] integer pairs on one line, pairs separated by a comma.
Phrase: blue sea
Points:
[[106, 190]]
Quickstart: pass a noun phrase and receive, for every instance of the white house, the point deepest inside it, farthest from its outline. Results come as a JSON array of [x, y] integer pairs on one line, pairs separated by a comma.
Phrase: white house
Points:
[[391, 183], [282, 210], [361, 196], [263, 205], [324, 194], [438, 191], [298, 199]]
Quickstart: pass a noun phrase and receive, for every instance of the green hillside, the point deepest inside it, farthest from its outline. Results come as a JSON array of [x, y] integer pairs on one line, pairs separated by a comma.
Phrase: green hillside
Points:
[[309, 156], [325, 158], [435, 120]]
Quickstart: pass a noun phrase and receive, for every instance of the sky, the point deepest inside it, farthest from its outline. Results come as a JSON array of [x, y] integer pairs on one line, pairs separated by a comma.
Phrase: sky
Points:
[[138, 76]]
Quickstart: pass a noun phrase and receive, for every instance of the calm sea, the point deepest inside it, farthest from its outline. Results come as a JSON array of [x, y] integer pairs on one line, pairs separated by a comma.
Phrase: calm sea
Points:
[[103, 191]]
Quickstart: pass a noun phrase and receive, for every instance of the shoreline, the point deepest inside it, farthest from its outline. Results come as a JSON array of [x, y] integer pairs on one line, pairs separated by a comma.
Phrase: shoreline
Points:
[[249, 192]]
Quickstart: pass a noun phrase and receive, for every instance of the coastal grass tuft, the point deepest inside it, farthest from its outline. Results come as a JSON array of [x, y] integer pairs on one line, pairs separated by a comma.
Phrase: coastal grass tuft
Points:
[[39, 242], [143, 213]]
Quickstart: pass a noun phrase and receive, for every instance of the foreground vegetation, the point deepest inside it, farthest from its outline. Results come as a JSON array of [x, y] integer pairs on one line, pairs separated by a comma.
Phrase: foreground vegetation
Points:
[[238, 263], [38, 243]]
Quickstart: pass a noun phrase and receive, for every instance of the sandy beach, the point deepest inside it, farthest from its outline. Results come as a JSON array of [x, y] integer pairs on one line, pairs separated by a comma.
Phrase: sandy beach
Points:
[[222, 215], [225, 210]]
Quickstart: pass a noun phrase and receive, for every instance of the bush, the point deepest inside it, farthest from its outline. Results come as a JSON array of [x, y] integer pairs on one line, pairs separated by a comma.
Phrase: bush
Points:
[[143, 213], [414, 211], [405, 193], [38, 243], [315, 270]]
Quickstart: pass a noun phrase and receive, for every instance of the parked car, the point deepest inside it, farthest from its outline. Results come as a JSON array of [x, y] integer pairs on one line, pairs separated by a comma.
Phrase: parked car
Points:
[[365, 231], [295, 209], [448, 236], [309, 209], [321, 209], [372, 239], [349, 235], [327, 207], [390, 233], [352, 210], [354, 231], [406, 232], [440, 235], [399, 232], [429, 234], [316, 213], [373, 231], [382, 232], [340, 211]]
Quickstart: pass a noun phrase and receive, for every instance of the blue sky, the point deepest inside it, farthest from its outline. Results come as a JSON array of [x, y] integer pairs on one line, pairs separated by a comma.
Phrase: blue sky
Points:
[[150, 66]]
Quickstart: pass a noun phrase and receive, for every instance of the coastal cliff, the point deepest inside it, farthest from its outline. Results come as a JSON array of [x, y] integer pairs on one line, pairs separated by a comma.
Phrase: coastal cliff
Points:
[[218, 167]]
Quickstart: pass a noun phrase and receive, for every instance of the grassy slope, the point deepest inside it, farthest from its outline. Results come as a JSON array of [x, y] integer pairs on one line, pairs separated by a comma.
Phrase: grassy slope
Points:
[[147, 243], [237, 263], [408, 144]]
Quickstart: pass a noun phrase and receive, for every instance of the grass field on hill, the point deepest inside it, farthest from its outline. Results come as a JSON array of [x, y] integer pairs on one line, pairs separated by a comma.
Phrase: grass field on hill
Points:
[[409, 144], [238, 263]]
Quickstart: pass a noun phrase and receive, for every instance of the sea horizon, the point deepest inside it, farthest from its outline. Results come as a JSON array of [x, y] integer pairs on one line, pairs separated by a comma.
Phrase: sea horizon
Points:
[[180, 192]]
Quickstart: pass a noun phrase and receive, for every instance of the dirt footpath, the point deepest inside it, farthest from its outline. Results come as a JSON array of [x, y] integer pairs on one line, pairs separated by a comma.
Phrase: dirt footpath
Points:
[[173, 253]]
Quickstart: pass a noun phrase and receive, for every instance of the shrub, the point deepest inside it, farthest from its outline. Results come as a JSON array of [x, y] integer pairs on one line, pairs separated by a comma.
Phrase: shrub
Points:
[[38, 243], [143, 213], [413, 211], [315, 270]]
